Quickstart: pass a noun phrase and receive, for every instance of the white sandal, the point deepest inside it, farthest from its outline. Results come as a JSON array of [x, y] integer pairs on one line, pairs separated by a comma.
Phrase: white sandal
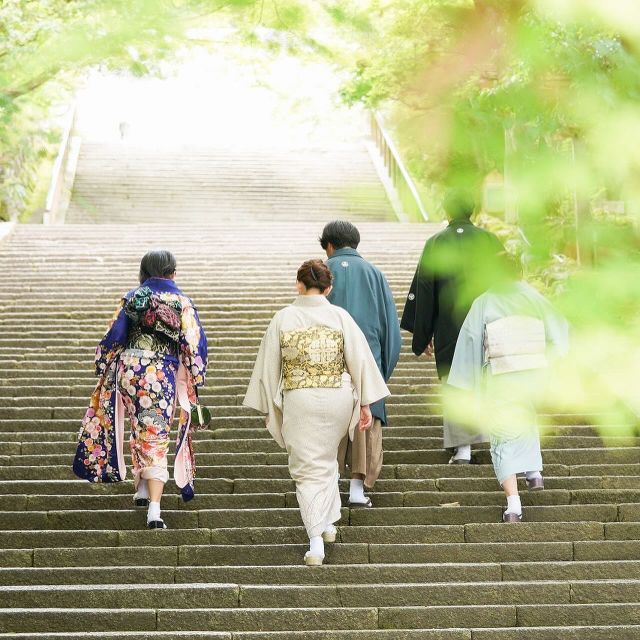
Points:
[[330, 534], [312, 560]]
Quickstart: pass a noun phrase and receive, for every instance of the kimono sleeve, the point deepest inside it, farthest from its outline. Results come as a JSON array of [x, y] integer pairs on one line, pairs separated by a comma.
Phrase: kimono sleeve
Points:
[[466, 367], [193, 345], [408, 320], [361, 365], [113, 341], [264, 387], [422, 304], [392, 341]]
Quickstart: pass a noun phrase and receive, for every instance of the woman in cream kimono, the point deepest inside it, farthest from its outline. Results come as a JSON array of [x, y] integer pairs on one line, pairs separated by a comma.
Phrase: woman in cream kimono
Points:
[[314, 378], [503, 349]]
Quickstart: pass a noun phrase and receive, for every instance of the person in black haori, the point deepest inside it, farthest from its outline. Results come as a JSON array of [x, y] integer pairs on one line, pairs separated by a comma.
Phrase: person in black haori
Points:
[[452, 272]]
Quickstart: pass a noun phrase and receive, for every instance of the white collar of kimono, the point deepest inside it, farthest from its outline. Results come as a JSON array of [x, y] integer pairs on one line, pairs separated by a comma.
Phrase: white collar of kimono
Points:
[[311, 301]]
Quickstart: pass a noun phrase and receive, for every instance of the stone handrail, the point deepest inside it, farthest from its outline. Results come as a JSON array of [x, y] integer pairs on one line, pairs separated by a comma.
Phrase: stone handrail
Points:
[[58, 189], [405, 199]]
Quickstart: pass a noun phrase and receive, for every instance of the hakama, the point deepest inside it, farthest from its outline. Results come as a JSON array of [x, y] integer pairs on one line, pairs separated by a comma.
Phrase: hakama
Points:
[[362, 290]]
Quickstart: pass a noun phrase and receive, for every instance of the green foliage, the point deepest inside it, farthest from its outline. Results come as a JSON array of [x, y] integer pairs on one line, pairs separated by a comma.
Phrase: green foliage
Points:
[[546, 92], [45, 45]]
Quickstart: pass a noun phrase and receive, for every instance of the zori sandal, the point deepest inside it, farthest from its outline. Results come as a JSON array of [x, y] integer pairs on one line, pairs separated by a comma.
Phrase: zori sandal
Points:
[[361, 505], [312, 560]]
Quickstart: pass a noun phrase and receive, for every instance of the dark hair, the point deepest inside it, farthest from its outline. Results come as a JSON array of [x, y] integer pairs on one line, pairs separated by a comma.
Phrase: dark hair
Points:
[[157, 264], [458, 203], [314, 274], [340, 234], [510, 266]]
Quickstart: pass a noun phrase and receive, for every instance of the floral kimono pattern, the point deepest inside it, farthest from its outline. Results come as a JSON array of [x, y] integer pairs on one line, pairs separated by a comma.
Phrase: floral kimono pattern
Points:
[[150, 360]]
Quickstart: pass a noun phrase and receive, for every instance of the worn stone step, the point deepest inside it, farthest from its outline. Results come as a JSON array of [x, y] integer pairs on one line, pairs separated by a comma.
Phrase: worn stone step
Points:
[[383, 634], [408, 534], [436, 617], [391, 443], [624, 632], [332, 574], [353, 553], [198, 595]]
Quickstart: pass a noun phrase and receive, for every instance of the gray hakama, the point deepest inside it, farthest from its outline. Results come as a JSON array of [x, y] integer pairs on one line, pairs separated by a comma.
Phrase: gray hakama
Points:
[[507, 398]]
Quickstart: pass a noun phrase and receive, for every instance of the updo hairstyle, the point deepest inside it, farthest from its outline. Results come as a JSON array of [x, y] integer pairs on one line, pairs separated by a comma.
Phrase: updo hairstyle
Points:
[[157, 264], [314, 274]]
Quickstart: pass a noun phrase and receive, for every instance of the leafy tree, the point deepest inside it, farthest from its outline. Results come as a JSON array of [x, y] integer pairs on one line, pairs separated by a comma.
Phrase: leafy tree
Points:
[[546, 91]]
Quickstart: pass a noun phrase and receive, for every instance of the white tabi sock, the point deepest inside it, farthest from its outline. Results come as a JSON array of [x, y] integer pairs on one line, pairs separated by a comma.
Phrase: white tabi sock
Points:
[[356, 491], [514, 505], [143, 490], [532, 475], [154, 512], [316, 546], [463, 452]]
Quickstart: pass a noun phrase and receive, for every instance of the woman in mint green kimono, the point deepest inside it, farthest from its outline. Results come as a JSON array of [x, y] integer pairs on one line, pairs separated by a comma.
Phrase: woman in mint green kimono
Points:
[[503, 349]]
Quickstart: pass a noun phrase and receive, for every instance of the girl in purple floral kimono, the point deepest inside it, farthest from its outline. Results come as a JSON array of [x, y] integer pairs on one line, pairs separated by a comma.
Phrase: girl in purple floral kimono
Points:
[[150, 361]]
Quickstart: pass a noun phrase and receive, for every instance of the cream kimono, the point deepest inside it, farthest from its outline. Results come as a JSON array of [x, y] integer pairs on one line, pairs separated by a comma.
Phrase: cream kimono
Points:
[[313, 372]]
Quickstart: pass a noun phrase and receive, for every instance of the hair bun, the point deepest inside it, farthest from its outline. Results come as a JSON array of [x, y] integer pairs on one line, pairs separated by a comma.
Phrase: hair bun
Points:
[[314, 274]]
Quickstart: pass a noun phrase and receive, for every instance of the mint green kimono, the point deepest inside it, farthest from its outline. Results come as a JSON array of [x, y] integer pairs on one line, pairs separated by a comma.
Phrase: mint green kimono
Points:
[[511, 423]]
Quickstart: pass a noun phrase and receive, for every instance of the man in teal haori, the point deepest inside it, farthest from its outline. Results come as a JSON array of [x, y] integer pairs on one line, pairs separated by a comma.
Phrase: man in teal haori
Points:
[[362, 290]]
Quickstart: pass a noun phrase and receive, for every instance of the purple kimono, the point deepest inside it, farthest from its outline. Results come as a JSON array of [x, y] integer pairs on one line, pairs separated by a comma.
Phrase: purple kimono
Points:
[[149, 362]]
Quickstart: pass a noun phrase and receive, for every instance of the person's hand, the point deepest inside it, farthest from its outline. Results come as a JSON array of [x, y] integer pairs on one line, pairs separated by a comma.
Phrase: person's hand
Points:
[[429, 350], [366, 419]]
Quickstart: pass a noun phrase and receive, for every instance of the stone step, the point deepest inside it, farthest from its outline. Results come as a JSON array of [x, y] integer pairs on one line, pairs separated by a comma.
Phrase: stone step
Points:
[[247, 444], [274, 619], [290, 517], [274, 471], [622, 632], [392, 430], [410, 534], [543, 633], [205, 595], [262, 500], [240, 486], [442, 573]]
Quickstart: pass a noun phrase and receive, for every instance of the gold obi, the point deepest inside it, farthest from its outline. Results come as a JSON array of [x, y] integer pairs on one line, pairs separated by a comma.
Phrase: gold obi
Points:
[[312, 358]]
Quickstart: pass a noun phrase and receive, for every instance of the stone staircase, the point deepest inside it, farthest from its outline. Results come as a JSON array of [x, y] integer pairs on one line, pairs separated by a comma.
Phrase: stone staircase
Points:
[[122, 183], [430, 561]]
